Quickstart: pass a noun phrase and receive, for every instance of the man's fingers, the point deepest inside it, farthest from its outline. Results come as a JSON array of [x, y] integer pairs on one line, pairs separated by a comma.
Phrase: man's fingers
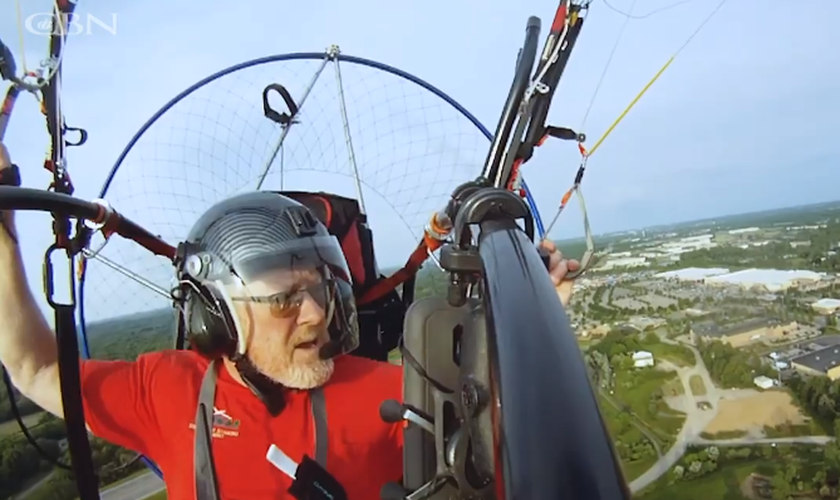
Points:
[[573, 264], [559, 271], [5, 160], [564, 291]]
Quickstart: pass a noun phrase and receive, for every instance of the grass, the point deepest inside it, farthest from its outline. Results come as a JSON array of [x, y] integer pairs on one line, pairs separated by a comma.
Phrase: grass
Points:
[[637, 389], [723, 435], [622, 430], [725, 483], [584, 344], [632, 470], [126, 478], [160, 495], [677, 354], [10, 427], [673, 388], [698, 388], [812, 428]]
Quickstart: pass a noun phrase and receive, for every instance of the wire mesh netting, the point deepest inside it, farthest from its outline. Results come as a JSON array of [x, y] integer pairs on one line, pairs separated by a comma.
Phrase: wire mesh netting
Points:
[[410, 147]]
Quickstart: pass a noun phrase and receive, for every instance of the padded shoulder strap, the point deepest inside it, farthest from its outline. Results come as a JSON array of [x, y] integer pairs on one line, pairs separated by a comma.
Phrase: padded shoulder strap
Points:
[[206, 486], [319, 413]]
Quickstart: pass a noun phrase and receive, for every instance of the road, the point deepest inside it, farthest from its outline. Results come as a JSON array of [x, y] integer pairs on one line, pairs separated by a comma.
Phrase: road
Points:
[[822, 440], [136, 488], [25, 493], [697, 420]]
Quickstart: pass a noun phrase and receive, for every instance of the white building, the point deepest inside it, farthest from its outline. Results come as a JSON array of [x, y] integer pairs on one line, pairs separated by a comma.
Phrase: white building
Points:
[[695, 274], [744, 230], [764, 382], [624, 262], [772, 280], [688, 244], [826, 306], [642, 359]]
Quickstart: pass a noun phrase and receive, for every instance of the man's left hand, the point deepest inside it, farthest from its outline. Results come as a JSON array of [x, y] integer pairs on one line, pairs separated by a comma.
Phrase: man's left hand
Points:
[[558, 268]]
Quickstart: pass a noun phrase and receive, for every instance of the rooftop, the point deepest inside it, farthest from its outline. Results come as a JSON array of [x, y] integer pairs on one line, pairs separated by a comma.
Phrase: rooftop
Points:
[[692, 273], [821, 360], [711, 329], [827, 303], [771, 278]]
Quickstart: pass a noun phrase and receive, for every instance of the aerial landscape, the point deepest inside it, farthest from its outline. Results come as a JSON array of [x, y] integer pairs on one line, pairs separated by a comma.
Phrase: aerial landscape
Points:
[[713, 346]]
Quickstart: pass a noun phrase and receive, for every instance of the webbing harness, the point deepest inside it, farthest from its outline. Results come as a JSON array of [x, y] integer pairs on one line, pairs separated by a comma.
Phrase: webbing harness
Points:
[[206, 485]]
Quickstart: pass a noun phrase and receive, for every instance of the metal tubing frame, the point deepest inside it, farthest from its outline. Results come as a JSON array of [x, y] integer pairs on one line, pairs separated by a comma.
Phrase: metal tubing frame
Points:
[[294, 56]]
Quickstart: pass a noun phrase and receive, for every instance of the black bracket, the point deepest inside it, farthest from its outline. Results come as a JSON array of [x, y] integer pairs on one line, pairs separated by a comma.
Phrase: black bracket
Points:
[[477, 206], [272, 114], [83, 136]]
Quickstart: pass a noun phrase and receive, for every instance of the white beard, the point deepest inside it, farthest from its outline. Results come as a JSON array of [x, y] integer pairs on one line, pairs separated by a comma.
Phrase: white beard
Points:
[[307, 376]]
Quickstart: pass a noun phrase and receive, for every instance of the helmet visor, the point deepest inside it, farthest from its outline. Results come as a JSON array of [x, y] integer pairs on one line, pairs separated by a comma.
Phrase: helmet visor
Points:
[[281, 277]]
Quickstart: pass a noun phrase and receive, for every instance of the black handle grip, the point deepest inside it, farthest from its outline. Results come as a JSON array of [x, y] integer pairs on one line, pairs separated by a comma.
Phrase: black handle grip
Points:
[[391, 411]]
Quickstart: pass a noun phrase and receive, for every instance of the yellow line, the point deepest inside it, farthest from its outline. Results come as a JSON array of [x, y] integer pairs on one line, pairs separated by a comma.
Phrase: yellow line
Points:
[[630, 106]]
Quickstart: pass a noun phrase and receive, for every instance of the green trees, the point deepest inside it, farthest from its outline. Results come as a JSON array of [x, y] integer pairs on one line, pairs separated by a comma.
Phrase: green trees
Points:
[[20, 463], [778, 254], [731, 367]]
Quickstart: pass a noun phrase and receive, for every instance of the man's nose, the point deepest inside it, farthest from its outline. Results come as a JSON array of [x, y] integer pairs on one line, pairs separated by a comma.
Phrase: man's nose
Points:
[[311, 312]]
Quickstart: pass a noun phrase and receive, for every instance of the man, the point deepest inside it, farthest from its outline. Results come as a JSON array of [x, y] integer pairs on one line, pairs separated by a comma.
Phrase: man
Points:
[[269, 310]]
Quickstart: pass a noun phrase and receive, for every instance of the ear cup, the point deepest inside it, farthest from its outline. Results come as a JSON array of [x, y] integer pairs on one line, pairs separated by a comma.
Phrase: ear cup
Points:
[[210, 329]]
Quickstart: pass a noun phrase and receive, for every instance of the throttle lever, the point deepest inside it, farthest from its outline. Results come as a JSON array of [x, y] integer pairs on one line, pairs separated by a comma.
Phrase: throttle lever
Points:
[[393, 491], [392, 412]]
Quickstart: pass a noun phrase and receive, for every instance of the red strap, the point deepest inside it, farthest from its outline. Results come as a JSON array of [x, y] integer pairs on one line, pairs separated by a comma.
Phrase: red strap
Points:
[[417, 258]]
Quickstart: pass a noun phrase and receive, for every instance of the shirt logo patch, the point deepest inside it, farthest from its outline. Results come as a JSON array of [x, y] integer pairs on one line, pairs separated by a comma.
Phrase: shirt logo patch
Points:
[[223, 424]]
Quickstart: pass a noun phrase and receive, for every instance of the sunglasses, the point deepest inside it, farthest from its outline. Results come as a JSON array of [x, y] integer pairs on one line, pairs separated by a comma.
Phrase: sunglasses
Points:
[[288, 303]]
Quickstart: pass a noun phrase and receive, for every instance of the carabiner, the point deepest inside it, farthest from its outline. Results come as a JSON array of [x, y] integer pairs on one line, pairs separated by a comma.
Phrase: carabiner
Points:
[[49, 278]]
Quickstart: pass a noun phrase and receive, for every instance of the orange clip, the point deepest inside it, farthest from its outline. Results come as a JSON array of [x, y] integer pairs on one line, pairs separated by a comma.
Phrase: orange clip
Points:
[[566, 197]]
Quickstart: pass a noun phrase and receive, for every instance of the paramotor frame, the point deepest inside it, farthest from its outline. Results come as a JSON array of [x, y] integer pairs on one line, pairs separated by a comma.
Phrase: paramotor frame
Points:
[[478, 423], [317, 56]]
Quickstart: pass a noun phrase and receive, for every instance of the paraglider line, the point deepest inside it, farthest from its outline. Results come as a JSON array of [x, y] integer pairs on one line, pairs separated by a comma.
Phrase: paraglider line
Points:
[[348, 139]]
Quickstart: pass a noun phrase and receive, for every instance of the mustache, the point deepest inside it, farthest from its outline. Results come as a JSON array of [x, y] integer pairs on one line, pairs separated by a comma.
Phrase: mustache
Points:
[[308, 334]]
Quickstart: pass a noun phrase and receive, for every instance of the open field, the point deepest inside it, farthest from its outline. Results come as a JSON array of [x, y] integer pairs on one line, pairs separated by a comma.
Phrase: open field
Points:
[[676, 354], [632, 304], [657, 300], [766, 409]]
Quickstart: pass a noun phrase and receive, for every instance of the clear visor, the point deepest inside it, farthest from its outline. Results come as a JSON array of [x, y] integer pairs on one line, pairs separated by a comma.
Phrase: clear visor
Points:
[[283, 277], [260, 270]]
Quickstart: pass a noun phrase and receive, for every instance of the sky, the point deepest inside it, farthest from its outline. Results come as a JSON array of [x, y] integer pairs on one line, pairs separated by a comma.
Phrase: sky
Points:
[[741, 121]]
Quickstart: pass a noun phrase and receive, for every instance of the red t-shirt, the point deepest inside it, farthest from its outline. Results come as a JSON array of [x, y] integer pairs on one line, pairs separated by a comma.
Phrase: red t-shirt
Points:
[[149, 406]]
